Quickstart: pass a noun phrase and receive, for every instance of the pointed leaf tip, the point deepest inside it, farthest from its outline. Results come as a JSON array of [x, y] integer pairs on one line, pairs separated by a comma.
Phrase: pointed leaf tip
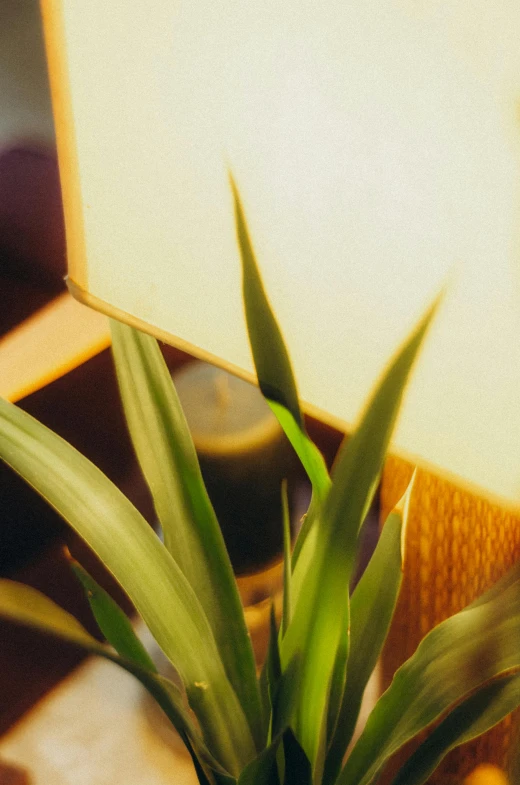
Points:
[[273, 366]]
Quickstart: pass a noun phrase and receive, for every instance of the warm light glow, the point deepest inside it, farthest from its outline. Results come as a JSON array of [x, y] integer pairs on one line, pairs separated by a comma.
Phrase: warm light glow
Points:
[[486, 775], [377, 149], [56, 339]]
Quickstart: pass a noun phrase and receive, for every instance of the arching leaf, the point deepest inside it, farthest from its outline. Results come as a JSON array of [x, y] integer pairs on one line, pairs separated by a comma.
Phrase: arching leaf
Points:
[[470, 719], [371, 610], [317, 629], [192, 535], [128, 547], [464, 653]]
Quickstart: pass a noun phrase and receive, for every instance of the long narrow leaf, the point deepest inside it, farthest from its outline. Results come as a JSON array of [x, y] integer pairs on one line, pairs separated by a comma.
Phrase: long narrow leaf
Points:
[[460, 655], [167, 457], [317, 628], [262, 770], [270, 675], [122, 539], [359, 464], [287, 569], [316, 469], [273, 366], [474, 716], [286, 697], [311, 458], [371, 610], [223, 779], [203, 776], [112, 621], [339, 674]]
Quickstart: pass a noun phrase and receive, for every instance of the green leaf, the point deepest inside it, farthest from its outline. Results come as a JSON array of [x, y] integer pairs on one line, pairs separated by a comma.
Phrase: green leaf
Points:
[[272, 363], [317, 629], [124, 542], [112, 621], [359, 463], [457, 657], [273, 366], [270, 675], [204, 777], [339, 674], [286, 696], [277, 382], [206, 773], [371, 610], [272, 664], [470, 719], [207, 770], [167, 457], [311, 458], [266, 699], [287, 570], [223, 779], [263, 770], [314, 465]]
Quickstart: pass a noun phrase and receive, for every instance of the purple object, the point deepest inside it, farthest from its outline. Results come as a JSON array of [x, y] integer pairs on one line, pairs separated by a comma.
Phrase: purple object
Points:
[[32, 235]]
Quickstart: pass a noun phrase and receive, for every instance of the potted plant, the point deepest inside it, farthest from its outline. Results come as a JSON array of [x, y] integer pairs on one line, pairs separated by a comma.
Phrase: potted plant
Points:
[[294, 722]]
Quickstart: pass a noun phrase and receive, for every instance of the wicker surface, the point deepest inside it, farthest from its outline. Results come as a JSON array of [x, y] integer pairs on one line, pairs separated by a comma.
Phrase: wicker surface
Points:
[[457, 546]]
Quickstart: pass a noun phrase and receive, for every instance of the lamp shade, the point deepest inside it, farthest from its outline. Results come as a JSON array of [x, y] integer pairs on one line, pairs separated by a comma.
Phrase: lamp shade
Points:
[[376, 146]]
